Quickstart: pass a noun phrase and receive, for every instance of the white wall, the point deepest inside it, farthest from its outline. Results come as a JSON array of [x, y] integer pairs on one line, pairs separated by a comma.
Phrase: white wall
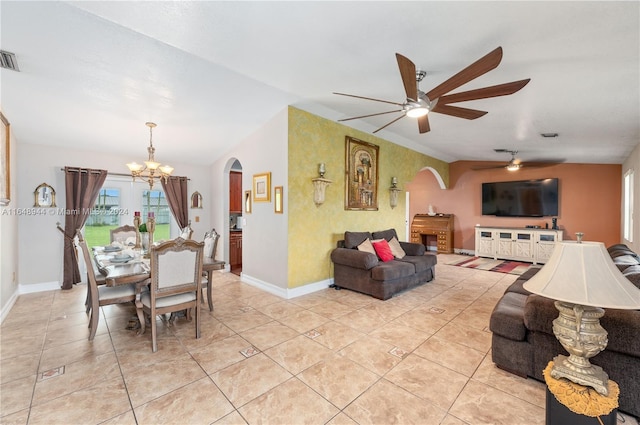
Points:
[[264, 236], [633, 163], [40, 244]]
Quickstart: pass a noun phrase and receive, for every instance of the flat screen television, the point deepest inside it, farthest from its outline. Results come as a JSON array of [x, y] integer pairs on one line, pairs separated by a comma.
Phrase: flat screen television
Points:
[[524, 198]]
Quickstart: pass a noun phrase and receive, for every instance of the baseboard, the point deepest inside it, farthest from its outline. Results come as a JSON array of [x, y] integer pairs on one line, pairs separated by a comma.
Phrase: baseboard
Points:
[[464, 252], [286, 293], [7, 307]]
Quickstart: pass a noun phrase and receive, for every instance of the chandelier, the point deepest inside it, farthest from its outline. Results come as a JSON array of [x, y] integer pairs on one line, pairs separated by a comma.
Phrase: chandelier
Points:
[[151, 169]]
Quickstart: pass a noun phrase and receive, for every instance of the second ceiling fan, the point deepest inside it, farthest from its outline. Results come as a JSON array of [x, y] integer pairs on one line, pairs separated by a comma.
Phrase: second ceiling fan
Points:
[[419, 103]]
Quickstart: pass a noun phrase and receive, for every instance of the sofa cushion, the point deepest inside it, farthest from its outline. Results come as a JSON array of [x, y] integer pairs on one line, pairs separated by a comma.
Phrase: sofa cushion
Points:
[[633, 274], [367, 247], [383, 250], [385, 234], [507, 317], [422, 262], [353, 239], [392, 270], [517, 285], [396, 249]]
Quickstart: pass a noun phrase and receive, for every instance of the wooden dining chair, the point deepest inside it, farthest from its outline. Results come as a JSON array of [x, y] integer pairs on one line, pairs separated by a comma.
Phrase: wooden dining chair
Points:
[[176, 269], [98, 296], [122, 233], [210, 249]]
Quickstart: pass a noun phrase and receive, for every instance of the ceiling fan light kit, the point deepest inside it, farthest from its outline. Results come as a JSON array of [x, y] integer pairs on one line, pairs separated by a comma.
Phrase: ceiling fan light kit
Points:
[[418, 103]]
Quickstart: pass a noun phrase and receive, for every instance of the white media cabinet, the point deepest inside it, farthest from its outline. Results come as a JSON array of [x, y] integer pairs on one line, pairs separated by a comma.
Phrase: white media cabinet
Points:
[[511, 243]]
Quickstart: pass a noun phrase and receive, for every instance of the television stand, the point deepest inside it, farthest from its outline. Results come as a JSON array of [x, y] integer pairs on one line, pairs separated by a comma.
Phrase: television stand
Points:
[[519, 244]]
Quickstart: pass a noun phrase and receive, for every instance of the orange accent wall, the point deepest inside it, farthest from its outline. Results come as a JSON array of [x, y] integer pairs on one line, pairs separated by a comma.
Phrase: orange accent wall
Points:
[[590, 199]]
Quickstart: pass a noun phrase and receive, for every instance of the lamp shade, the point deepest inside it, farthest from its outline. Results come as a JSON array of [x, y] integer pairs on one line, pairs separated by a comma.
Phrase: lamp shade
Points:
[[583, 273]]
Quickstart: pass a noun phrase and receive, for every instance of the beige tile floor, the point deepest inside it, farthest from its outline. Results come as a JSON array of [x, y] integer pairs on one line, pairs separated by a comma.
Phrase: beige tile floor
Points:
[[332, 357]]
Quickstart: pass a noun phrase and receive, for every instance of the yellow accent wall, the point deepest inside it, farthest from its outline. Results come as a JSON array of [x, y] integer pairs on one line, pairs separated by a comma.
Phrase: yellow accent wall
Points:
[[314, 230]]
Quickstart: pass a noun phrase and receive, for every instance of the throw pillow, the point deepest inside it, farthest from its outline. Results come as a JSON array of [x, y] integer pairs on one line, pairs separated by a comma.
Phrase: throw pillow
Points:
[[383, 250], [396, 249], [367, 247]]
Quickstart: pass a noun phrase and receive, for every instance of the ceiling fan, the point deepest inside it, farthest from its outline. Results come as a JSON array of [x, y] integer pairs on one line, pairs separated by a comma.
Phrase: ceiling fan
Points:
[[515, 164], [419, 103]]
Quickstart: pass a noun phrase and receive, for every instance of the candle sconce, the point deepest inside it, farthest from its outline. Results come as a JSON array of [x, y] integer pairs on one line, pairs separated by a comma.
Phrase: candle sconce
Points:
[[393, 192], [320, 185]]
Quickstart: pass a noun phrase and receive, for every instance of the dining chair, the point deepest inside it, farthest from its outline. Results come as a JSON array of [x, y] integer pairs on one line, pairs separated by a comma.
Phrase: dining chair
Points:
[[176, 268], [187, 232], [210, 249], [98, 296], [122, 233]]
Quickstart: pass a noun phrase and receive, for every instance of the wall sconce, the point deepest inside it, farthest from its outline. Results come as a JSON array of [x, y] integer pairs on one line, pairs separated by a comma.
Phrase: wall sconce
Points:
[[393, 192], [319, 185]]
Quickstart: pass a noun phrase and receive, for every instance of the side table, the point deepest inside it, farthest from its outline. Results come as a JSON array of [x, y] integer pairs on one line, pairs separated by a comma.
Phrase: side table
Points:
[[575, 404]]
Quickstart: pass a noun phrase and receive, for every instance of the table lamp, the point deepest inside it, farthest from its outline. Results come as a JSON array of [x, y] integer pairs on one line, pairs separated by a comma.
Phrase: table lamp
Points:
[[583, 280]]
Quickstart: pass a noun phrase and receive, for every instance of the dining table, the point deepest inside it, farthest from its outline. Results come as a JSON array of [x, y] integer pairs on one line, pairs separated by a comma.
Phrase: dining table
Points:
[[118, 270]]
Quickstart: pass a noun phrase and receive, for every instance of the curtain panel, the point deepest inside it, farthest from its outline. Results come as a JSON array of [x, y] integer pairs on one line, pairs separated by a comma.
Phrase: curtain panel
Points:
[[82, 188], [175, 189]]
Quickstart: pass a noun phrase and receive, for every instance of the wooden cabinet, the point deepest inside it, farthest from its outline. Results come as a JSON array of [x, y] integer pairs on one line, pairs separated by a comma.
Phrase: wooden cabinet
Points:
[[437, 227], [235, 192], [235, 249], [532, 245]]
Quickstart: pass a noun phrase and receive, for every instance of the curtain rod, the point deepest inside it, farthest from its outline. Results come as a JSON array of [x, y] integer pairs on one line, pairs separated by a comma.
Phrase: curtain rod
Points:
[[78, 170]]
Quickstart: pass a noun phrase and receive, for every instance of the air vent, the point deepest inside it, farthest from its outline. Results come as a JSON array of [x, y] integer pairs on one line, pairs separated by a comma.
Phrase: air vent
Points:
[[8, 61]]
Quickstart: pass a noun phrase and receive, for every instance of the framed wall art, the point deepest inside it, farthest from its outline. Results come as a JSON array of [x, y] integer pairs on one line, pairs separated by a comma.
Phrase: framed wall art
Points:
[[5, 161], [277, 200], [361, 175], [262, 187]]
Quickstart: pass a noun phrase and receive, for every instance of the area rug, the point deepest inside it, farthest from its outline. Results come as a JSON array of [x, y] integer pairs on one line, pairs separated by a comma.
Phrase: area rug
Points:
[[489, 264]]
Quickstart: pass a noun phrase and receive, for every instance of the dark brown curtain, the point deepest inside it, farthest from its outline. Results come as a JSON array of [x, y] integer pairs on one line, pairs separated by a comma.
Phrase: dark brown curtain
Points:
[[82, 187], [175, 190]]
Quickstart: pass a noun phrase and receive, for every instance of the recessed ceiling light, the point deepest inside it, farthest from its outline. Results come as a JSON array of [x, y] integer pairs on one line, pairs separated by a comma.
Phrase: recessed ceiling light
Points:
[[549, 134]]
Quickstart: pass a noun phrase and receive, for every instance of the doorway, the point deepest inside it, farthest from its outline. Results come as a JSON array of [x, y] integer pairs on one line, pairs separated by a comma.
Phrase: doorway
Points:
[[235, 218]]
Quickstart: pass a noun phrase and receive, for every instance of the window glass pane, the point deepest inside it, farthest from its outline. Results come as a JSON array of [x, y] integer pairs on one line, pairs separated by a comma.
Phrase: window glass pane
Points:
[[104, 216], [155, 202], [627, 221]]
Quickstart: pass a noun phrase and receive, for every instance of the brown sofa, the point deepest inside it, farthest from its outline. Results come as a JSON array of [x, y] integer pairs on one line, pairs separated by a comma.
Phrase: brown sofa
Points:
[[523, 341], [364, 272]]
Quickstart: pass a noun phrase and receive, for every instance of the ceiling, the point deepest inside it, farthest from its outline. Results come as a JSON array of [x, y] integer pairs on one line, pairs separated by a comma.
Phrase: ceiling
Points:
[[212, 73]]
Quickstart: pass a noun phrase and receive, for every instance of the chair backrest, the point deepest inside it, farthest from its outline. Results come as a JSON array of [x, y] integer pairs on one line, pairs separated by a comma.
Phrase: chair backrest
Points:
[[187, 232], [211, 244], [176, 267], [88, 261], [122, 233]]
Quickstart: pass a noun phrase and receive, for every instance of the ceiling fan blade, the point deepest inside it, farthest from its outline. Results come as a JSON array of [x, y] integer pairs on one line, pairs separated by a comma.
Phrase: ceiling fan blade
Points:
[[368, 98], [388, 124], [456, 111], [423, 124], [408, 74], [476, 69], [486, 92], [494, 167], [540, 164], [370, 115]]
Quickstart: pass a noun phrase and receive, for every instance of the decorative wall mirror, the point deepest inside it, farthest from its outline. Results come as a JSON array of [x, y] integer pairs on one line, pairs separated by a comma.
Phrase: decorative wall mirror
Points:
[[44, 196], [196, 200]]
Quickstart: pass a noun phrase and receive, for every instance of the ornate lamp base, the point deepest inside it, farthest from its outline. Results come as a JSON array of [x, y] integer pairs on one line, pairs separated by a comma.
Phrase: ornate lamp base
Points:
[[592, 376], [578, 330]]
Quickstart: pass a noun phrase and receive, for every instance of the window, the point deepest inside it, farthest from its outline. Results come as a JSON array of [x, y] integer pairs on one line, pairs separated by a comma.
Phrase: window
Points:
[[104, 216], [117, 201], [154, 201], [627, 195]]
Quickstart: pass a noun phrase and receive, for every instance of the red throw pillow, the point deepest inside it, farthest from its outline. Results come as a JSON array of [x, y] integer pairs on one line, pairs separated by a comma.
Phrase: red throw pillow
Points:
[[383, 250]]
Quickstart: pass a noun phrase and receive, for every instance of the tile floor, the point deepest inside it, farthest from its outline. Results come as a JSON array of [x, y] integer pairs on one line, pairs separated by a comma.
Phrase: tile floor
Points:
[[332, 357]]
